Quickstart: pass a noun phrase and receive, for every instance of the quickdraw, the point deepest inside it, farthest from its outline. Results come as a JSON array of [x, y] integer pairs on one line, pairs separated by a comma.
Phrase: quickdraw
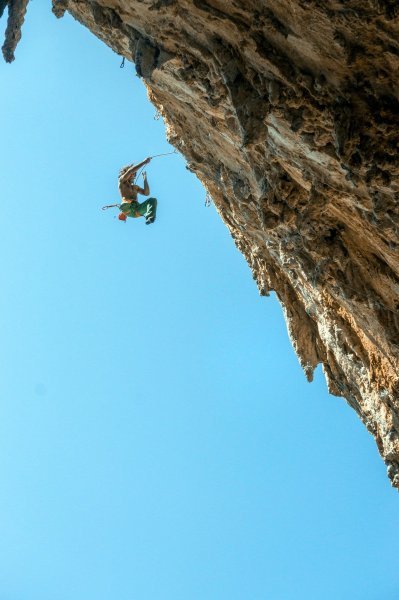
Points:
[[110, 206]]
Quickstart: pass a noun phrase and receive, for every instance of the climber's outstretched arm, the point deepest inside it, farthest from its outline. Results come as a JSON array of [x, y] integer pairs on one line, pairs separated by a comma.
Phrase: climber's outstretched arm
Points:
[[131, 172]]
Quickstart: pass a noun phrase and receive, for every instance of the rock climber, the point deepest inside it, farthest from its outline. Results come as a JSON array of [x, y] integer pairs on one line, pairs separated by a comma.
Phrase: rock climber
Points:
[[128, 189]]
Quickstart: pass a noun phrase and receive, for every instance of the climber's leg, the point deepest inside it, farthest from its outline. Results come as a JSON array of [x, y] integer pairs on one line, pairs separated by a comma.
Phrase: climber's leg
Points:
[[148, 209]]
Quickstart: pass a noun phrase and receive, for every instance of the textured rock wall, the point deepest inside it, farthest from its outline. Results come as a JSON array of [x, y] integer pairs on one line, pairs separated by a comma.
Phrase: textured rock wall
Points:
[[16, 17], [288, 112]]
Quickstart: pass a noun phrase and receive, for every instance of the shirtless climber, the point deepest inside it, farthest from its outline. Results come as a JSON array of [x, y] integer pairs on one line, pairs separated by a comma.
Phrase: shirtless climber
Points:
[[130, 207]]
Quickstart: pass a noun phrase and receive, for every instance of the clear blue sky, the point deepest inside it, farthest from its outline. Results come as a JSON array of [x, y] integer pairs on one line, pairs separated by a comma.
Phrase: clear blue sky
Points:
[[158, 440]]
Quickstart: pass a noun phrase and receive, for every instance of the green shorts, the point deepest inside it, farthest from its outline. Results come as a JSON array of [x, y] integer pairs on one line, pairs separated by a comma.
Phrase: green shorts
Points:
[[147, 209]]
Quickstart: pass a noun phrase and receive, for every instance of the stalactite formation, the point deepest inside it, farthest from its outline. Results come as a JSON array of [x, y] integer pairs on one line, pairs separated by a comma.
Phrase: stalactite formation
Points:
[[16, 17]]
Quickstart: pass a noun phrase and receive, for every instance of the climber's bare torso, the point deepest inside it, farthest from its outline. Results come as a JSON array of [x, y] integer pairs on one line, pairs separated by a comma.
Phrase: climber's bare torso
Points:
[[129, 191], [127, 188]]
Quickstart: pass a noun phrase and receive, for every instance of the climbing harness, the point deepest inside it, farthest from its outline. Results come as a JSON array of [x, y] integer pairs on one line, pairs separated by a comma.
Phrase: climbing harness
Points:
[[122, 63]]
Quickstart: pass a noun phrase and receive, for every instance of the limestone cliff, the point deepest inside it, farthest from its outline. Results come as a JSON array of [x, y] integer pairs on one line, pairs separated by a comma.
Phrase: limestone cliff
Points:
[[288, 112]]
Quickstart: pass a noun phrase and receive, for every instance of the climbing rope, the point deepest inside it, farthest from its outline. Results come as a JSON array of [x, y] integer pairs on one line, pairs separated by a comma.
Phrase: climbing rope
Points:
[[156, 156], [138, 174]]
